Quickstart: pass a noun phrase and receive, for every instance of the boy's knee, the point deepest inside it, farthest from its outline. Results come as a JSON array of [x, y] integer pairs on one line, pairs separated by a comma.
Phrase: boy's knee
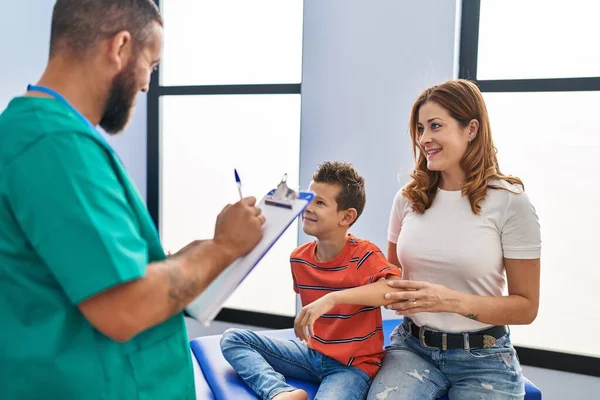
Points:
[[231, 336]]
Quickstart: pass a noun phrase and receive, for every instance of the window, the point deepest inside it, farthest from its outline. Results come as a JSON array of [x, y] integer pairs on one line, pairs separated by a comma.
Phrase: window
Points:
[[227, 96], [540, 77], [206, 138], [544, 40], [230, 42]]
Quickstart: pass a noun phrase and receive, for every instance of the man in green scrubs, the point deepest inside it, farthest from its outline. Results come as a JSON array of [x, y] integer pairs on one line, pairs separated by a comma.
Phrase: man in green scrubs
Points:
[[90, 307]]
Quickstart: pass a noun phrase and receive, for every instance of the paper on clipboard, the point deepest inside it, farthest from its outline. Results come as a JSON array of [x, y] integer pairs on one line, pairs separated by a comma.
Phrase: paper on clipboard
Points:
[[277, 220]]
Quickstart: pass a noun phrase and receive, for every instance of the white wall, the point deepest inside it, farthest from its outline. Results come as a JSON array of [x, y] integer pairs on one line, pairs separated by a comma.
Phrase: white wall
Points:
[[363, 67], [25, 40]]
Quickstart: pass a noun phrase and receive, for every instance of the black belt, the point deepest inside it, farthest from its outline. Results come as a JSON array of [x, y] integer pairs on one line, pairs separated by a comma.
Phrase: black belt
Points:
[[431, 338]]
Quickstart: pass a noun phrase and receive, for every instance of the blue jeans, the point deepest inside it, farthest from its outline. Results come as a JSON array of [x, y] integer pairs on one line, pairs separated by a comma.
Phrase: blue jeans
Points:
[[412, 372], [262, 362]]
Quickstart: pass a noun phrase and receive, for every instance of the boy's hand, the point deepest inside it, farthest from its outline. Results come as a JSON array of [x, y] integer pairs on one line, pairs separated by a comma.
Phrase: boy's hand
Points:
[[309, 314]]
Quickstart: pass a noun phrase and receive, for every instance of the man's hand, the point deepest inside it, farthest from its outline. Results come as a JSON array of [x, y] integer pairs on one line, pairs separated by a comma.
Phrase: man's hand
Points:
[[239, 227], [309, 314]]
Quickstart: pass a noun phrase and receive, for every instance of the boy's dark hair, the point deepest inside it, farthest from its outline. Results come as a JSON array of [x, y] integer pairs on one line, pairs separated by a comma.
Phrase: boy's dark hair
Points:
[[77, 25], [352, 185]]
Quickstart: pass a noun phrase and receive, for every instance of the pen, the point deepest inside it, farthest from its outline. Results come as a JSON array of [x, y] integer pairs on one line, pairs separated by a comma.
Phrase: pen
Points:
[[239, 183]]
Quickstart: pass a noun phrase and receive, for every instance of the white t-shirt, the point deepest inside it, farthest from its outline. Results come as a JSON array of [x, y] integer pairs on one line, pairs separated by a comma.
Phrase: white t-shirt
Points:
[[451, 246]]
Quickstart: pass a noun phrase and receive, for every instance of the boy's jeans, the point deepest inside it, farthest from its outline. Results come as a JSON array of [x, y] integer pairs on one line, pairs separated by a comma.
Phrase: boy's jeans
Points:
[[263, 361]]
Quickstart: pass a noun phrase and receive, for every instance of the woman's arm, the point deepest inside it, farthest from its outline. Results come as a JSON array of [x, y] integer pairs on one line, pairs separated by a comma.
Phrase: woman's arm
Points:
[[520, 307], [392, 255]]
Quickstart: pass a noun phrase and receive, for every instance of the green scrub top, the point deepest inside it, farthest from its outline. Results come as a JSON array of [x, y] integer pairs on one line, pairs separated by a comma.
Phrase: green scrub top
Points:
[[71, 226]]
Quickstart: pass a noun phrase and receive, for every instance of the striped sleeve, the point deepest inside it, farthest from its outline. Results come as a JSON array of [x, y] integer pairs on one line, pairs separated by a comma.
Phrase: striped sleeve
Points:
[[294, 279], [373, 266]]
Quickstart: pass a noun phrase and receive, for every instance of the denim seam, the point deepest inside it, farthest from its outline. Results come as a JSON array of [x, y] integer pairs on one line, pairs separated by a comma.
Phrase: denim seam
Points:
[[364, 391], [509, 368], [279, 391], [282, 358], [435, 395], [485, 355]]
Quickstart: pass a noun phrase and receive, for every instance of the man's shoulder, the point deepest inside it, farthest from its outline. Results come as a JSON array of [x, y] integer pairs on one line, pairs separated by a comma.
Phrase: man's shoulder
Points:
[[28, 121], [39, 113]]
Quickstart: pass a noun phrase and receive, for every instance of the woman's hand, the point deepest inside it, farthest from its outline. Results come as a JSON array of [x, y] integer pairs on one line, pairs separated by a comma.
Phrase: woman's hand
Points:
[[416, 297], [309, 314]]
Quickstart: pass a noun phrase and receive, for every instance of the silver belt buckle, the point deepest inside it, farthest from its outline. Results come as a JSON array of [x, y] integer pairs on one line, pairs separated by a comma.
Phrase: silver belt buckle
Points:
[[423, 330]]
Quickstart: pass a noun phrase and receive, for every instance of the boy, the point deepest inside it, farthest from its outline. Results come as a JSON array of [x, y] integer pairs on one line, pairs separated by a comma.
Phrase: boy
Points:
[[334, 276]]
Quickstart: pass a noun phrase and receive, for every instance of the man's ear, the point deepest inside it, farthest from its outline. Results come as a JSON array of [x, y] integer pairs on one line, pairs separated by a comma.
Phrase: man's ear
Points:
[[348, 217], [120, 49]]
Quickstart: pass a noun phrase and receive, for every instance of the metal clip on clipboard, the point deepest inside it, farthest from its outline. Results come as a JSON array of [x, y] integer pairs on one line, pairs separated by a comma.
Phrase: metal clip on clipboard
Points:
[[283, 195]]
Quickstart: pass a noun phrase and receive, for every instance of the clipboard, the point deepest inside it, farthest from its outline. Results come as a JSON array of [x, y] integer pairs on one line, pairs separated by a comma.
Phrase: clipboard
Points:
[[280, 207]]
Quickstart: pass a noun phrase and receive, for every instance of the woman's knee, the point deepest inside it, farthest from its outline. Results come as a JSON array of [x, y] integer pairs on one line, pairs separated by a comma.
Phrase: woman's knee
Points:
[[406, 375]]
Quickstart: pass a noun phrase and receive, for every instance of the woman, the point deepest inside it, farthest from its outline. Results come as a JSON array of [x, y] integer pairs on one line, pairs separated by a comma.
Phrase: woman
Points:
[[457, 229]]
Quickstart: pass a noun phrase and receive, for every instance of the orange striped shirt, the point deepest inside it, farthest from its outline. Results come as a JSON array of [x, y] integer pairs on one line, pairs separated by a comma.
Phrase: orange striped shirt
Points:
[[348, 333]]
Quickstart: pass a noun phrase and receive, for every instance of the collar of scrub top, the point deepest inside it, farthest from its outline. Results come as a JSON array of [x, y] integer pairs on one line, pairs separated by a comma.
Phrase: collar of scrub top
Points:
[[59, 97]]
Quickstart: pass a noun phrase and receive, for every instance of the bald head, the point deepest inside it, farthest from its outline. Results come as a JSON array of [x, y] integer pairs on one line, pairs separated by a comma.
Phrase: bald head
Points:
[[79, 25]]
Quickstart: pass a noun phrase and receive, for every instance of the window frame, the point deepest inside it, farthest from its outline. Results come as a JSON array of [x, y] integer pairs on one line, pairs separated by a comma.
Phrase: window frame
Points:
[[153, 162], [469, 44]]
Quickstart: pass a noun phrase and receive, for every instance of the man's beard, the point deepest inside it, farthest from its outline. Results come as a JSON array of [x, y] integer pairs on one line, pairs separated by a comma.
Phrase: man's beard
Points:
[[120, 102]]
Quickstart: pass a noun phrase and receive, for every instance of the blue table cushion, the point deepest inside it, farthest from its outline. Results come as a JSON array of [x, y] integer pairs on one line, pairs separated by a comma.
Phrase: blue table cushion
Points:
[[226, 384], [223, 380], [203, 391]]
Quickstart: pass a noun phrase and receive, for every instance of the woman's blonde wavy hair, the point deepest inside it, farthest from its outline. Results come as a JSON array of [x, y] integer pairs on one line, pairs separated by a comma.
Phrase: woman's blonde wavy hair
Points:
[[464, 102]]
